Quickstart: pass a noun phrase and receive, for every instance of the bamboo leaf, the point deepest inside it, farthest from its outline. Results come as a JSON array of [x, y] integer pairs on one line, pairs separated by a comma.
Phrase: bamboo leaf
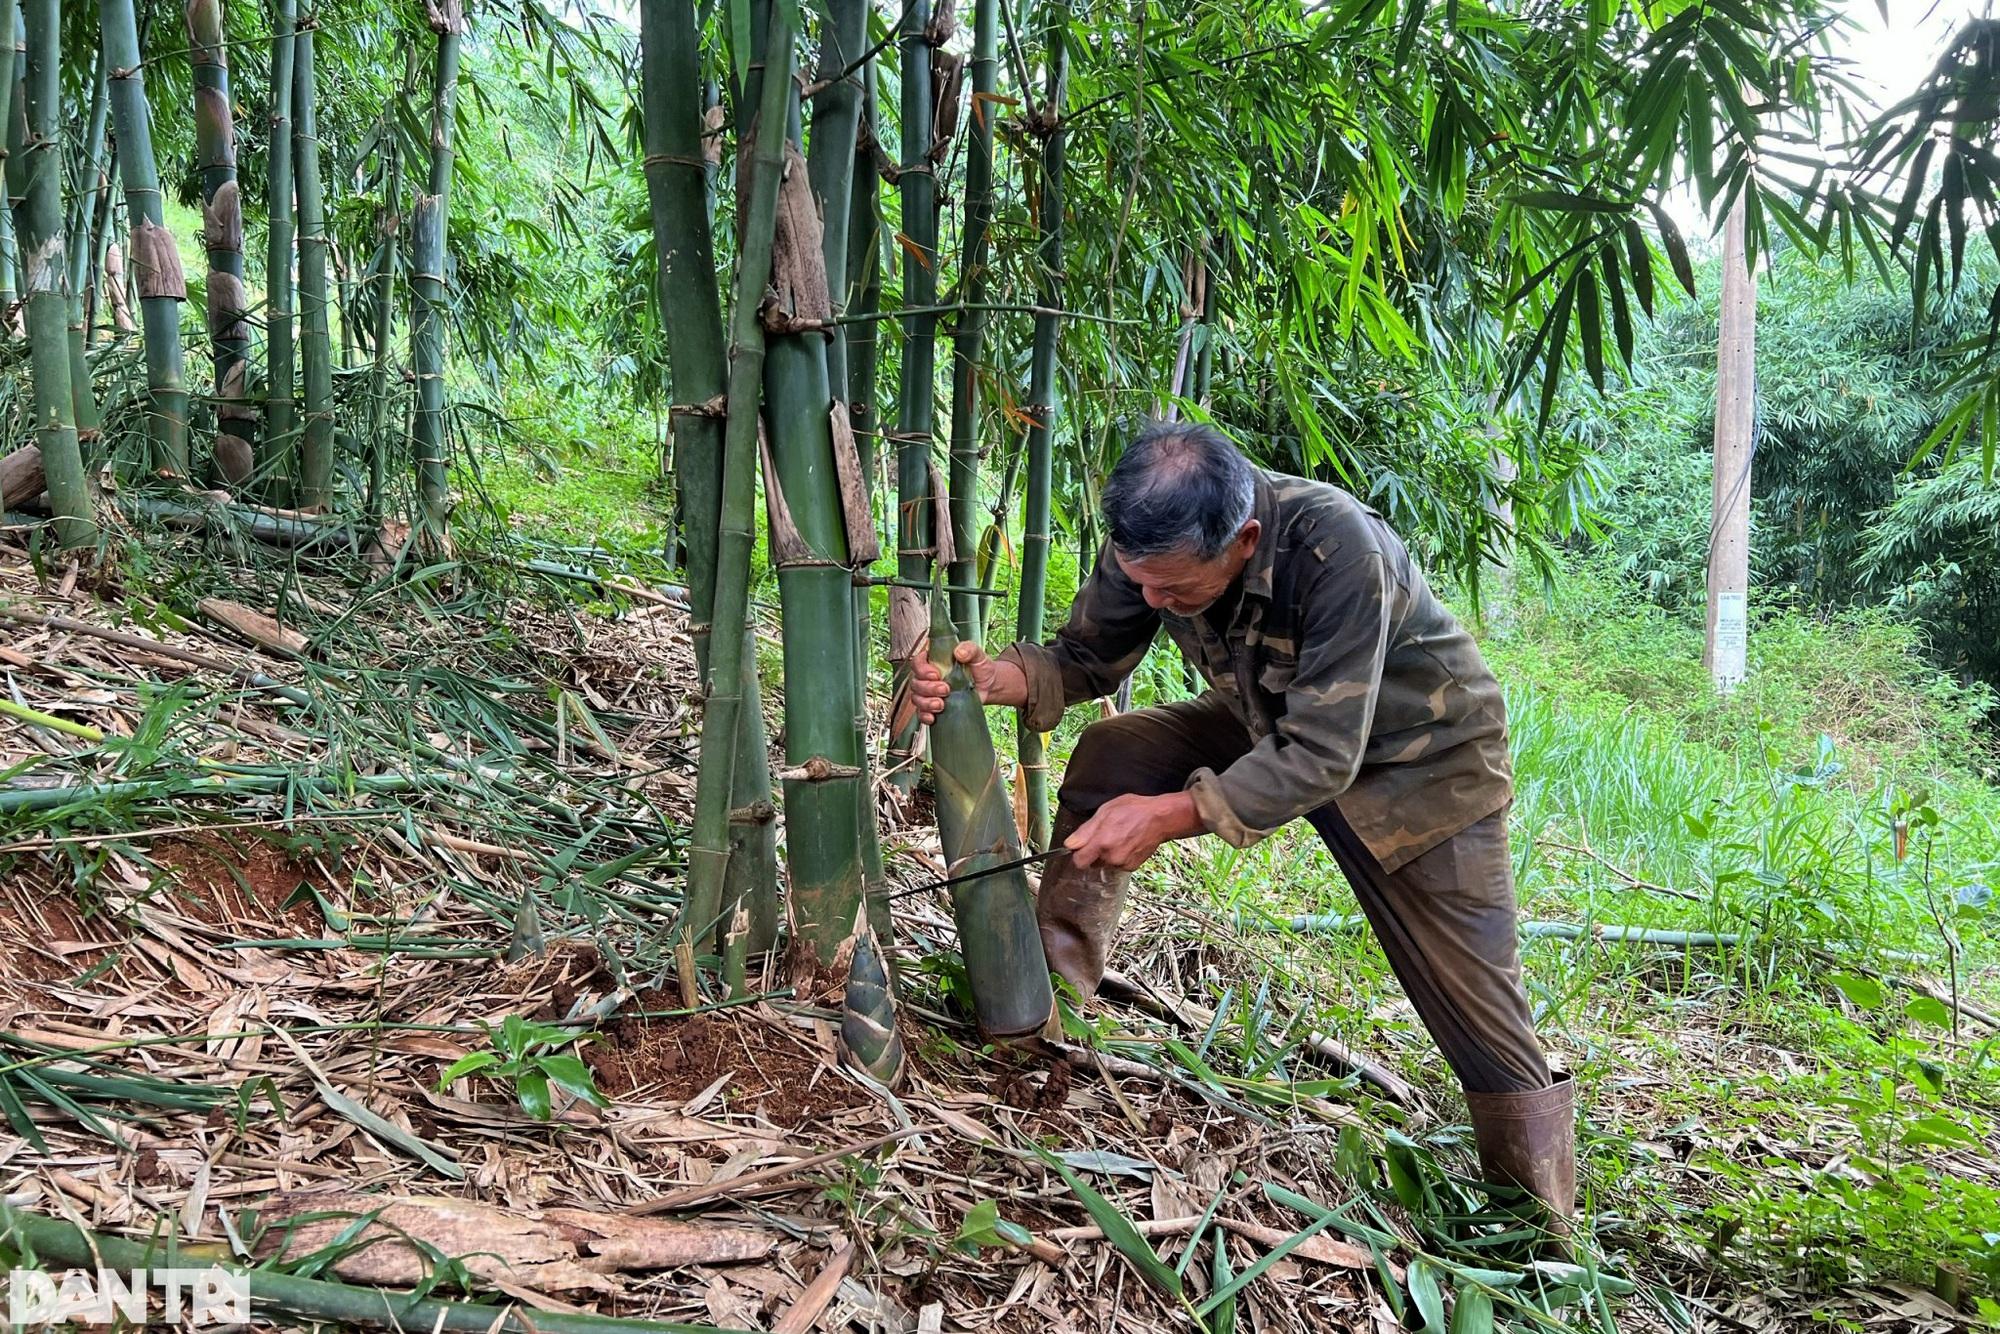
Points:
[[1676, 248], [1426, 1295], [1471, 1312], [1118, 1230], [438, 1160]]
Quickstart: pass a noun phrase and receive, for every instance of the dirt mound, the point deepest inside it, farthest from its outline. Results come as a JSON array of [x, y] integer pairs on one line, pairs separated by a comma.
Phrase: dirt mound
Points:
[[761, 1067]]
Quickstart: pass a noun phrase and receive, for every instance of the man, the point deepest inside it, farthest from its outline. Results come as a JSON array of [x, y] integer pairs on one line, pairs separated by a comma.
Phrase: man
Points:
[[1340, 690]]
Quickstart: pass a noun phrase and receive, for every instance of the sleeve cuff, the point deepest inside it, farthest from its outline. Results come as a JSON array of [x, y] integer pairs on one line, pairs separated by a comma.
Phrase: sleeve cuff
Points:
[[1216, 812], [1044, 708]]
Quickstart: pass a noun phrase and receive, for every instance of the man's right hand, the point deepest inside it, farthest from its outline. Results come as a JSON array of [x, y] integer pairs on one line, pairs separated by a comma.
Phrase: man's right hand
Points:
[[929, 689]]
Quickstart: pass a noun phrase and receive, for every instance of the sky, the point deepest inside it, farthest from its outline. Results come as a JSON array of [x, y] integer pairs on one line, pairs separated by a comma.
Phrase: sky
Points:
[[1893, 56], [1888, 58]]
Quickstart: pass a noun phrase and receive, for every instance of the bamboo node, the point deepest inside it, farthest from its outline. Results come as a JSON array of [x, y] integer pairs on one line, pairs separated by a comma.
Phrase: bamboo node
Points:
[[717, 407], [818, 769], [673, 160]]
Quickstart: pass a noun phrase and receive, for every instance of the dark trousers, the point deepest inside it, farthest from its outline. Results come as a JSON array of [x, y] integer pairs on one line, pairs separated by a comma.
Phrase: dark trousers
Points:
[[1446, 920]]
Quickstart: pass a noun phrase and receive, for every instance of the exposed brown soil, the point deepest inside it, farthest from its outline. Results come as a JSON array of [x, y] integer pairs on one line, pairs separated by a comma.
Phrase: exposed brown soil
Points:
[[28, 929], [235, 883], [668, 1060]]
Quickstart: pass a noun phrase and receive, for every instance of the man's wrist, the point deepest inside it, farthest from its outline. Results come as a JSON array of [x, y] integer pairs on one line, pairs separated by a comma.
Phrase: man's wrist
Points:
[[1179, 817], [1010, 685]]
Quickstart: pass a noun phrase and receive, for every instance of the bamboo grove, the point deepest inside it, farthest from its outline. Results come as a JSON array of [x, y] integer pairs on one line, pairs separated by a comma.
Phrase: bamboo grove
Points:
[[905, 269]]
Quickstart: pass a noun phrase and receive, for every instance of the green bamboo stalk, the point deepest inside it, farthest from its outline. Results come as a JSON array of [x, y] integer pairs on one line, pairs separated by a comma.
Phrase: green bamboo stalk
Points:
[[9, 74], [677, 185], [154, 259], [827, 801], [427, 255], [315, 478], [1033, 591], [389, 226], [222, 236], [916, 540], [969, 341], [59, 1242], [860, 347], [34, 188], [83, 397], [100, 237], [1004, 964], [860, 338], [832, 161], [709, 858], [1204, 361], [281, 366]]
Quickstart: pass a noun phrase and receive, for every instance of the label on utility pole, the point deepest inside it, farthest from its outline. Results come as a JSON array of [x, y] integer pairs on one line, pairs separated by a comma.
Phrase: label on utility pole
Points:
[[1732, 641]]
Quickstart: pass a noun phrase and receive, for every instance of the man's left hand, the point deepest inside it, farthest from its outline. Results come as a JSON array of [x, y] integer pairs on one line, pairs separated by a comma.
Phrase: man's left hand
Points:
[[1128, 830]]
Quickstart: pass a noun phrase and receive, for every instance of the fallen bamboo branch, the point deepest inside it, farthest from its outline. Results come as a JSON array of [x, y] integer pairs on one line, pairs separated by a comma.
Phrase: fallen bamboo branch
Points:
[[141, 643], [764, 1176], [1192, 1016], [17, 799], [57, 1241], [1337, 924], [1325, 1250], [36, 718], [819, 1294]]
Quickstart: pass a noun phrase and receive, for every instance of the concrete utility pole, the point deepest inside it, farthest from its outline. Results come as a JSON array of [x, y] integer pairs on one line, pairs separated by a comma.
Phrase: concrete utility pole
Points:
[[1727, 654]]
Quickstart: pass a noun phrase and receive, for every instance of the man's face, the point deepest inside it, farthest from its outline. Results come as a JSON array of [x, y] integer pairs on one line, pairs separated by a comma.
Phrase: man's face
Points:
[[1185, 585]]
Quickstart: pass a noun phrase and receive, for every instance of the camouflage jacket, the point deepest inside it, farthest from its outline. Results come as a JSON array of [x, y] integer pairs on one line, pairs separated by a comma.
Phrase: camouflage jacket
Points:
[[1355, 683]]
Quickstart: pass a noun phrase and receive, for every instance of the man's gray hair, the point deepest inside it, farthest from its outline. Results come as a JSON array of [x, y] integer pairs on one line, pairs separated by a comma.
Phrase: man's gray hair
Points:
[[1179, 489]]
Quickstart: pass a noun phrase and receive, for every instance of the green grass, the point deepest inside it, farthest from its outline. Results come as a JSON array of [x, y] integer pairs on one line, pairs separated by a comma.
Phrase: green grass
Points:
[[583, 471]]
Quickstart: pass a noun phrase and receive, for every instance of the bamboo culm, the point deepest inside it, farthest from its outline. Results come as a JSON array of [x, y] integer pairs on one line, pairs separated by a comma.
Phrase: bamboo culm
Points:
[[390, 228], [315, 474], [827, 801], [222, 236], [708, 859], [155, 259], [968, 343], [34, 187], [9, 259], [1041, 412], [427, 257], [864, 288], [677, 185], [82, 395], [280, 359], [915, 517]]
